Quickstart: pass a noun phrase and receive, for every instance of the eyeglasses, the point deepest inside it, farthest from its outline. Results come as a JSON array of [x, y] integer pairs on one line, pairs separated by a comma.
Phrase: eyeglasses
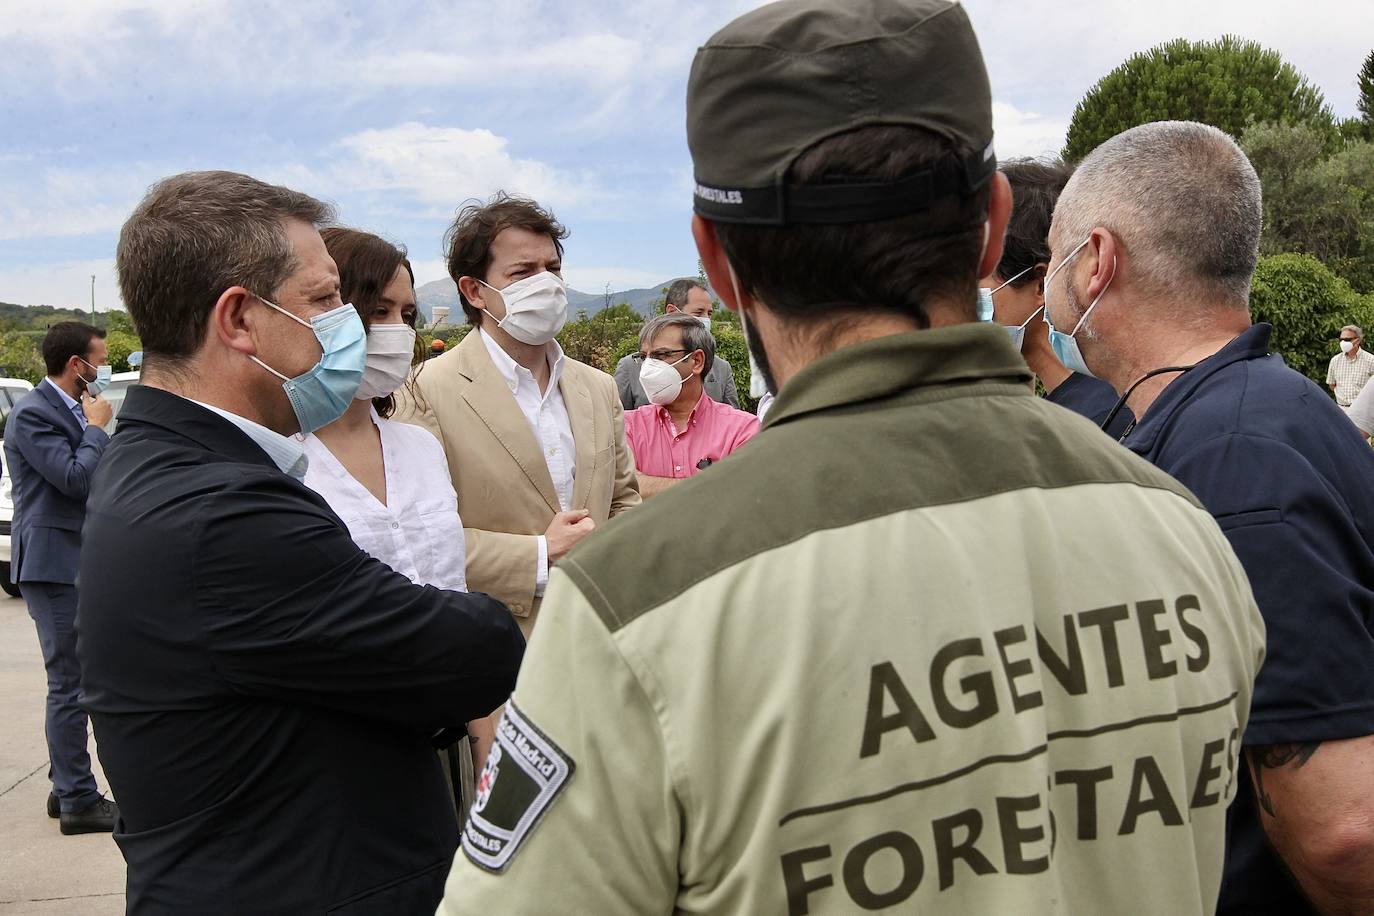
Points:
[[1349, 339], [660, 355]]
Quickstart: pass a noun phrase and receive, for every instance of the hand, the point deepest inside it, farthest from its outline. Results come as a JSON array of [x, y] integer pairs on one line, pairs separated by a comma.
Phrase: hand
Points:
[[566, 529], [97, 410]]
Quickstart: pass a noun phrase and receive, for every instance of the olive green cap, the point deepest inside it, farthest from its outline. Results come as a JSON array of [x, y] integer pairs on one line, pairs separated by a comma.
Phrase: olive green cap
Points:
[[780, 79]]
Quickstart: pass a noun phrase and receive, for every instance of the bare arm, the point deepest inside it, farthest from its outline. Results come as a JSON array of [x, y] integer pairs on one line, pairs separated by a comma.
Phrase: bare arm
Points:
[[1317, 807], [652, 486]]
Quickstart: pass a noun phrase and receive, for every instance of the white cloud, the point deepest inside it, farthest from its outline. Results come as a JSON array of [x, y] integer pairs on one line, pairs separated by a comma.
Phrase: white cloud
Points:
[[594, 279], [65, 284], [1026, 133], [62, 202], [443, 166]]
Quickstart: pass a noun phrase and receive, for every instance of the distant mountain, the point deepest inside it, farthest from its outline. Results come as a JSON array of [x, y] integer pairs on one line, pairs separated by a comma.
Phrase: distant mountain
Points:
[[445, 292]]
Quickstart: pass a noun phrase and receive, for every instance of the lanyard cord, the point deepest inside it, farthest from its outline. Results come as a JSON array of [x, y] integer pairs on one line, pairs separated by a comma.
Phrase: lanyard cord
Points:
[[1129, 391]]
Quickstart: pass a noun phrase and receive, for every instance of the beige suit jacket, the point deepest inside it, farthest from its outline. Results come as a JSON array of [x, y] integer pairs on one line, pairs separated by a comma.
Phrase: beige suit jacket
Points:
[[505, 493]]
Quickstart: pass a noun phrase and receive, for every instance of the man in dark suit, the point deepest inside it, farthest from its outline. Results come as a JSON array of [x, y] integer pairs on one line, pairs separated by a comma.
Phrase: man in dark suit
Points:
[[53, 442], [265, 695]]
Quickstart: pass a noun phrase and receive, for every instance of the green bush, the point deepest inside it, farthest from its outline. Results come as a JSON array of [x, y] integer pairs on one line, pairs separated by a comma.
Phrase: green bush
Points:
[[121, 344], [19, 357], [1307, 304], [730, 346]]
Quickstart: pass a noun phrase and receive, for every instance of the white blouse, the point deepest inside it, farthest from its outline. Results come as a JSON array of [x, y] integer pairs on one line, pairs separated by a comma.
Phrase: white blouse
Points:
[[418, 532]]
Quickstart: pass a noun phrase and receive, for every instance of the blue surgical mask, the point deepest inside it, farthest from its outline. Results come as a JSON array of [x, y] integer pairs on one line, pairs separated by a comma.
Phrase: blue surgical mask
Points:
[[1065, 347], [321, 395], [705, 320], [985, 297], [102, 379]]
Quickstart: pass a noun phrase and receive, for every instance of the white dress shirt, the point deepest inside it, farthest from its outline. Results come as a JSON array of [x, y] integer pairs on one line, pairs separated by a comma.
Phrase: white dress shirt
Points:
[[417, 532], [73, 406], [548, 418], [286, 453]]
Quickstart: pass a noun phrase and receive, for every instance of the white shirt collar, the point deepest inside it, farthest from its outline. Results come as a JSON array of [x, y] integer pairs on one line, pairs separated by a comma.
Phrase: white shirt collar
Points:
[[286, 453], [513, 372], [66, 398]]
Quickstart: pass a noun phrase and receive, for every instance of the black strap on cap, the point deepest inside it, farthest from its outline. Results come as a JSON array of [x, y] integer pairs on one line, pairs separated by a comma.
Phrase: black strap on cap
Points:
[[857, 201]]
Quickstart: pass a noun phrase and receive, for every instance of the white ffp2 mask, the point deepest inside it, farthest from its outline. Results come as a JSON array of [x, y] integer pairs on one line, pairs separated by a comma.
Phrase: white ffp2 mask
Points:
[[536, 308]]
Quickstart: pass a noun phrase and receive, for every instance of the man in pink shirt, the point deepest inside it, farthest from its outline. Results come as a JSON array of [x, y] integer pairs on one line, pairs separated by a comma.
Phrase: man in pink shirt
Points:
[[680, 431]]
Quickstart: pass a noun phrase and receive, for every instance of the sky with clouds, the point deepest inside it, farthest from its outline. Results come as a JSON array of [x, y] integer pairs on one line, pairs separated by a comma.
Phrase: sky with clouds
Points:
[[397, 112]]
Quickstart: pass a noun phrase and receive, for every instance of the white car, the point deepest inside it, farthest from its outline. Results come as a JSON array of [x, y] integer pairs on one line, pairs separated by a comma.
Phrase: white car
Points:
[[119, 387], [11, 390]]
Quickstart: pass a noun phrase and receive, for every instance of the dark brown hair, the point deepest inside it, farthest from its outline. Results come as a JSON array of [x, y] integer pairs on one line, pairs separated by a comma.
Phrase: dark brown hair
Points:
[[66, 339], [821, 272], [467, 243], [192, 237], [1035, 187], [367, 263], [679, 290]]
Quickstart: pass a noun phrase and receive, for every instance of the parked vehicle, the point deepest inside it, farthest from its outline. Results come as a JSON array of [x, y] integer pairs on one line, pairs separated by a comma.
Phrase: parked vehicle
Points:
[[11, 390]]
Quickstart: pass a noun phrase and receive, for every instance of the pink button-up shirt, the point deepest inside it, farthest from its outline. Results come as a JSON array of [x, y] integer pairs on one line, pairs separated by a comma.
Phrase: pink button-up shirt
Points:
[[713, 431]]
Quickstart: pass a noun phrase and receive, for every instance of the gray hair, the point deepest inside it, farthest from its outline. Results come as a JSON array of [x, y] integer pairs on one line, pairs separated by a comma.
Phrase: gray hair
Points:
[[1181, 197], [192, 237], [679, 290], [694, 335], [1354, 329]]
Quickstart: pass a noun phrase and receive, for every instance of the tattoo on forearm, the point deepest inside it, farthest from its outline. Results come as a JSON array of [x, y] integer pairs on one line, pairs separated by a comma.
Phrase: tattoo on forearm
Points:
[[1276, 756]]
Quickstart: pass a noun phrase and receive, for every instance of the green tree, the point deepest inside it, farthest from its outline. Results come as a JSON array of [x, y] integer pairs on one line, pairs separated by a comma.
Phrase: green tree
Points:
[[1314, 203], [117, 320], [19, 357], [730, 346], [1307, 304], [1229, 84], [121, 344], [1365, 103]]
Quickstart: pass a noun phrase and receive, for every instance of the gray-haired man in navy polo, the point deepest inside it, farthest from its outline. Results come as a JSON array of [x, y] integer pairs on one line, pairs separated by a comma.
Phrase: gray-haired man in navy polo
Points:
[[53, 440]]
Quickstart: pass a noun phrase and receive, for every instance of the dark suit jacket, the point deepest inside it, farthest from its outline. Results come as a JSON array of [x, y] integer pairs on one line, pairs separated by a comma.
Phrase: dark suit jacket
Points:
[[50, 461], [263, 692]]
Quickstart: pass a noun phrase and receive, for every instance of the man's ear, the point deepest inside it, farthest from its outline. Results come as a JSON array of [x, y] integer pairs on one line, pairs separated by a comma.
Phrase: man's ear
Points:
[[1104, 251], [999, 212], [472, 291], [714, 262], [234, 321]]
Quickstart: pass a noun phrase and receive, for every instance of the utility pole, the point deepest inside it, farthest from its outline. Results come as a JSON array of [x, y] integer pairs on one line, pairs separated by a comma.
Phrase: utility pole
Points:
[[92, 298]]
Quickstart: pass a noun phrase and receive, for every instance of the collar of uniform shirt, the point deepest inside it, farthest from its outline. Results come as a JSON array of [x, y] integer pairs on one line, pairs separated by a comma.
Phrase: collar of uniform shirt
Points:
[[895, 363], [286, 453], [667, 417], [512, 371]]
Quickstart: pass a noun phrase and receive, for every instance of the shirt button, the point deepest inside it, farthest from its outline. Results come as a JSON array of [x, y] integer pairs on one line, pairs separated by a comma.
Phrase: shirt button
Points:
[[677, 467], [552, 452], [395, 525]]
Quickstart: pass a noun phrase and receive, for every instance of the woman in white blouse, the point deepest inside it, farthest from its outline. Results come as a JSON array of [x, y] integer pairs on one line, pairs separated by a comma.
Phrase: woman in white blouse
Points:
[[389, 481]]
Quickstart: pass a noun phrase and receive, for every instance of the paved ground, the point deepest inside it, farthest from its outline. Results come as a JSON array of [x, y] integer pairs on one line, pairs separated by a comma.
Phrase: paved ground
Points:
[[42, 872]]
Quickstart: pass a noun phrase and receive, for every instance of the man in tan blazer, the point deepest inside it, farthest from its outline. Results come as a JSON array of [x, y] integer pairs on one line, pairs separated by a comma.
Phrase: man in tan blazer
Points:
[[535, 441]]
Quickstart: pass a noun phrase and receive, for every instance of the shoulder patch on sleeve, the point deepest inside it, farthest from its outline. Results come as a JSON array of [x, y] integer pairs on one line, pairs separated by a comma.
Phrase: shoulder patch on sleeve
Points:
[[523, 775]]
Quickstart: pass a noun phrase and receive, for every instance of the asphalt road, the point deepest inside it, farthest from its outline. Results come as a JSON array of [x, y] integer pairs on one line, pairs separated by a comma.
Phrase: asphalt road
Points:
[[41, 871]]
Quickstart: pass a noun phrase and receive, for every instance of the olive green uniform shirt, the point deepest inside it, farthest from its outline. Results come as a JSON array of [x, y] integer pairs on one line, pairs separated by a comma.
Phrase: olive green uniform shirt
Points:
[[927, 644]]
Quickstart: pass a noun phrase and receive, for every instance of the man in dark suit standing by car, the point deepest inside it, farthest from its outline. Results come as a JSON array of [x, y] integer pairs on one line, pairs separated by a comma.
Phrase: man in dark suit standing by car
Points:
[[53, 441], [266, 696]]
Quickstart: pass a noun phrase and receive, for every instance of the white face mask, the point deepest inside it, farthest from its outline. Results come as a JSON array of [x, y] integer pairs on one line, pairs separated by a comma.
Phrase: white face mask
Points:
[[660, 380], [1347, 346], [536, 308], [390, 350], [705, 320]]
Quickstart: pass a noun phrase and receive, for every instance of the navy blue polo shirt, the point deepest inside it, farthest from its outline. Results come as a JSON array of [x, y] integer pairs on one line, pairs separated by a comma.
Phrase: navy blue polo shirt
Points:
[[1291, 484], [1092, 398]]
